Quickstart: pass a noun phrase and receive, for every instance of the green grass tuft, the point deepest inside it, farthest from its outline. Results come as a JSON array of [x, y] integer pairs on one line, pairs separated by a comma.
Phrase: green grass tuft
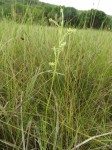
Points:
[[60, 105]]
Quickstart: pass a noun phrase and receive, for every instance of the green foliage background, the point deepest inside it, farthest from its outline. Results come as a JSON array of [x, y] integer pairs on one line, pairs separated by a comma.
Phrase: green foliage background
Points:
[[38, 12]]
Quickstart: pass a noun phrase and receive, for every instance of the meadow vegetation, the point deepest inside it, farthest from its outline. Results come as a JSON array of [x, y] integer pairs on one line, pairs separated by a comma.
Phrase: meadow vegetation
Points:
[[55, 87], [34, 11]]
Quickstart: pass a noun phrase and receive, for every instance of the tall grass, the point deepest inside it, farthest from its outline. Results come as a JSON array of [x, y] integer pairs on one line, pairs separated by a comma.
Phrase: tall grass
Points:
[[41, 111]]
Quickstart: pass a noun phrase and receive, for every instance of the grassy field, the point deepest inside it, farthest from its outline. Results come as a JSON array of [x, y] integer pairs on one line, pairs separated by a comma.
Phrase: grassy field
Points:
[[55, 88]]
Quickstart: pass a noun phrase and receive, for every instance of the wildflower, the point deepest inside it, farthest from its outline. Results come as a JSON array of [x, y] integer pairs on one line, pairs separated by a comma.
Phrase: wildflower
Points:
[[53, 21], [52, 64], [70, 30]]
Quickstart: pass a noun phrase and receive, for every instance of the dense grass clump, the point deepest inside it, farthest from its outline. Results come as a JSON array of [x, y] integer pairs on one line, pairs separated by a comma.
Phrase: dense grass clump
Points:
[[55, 88]]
